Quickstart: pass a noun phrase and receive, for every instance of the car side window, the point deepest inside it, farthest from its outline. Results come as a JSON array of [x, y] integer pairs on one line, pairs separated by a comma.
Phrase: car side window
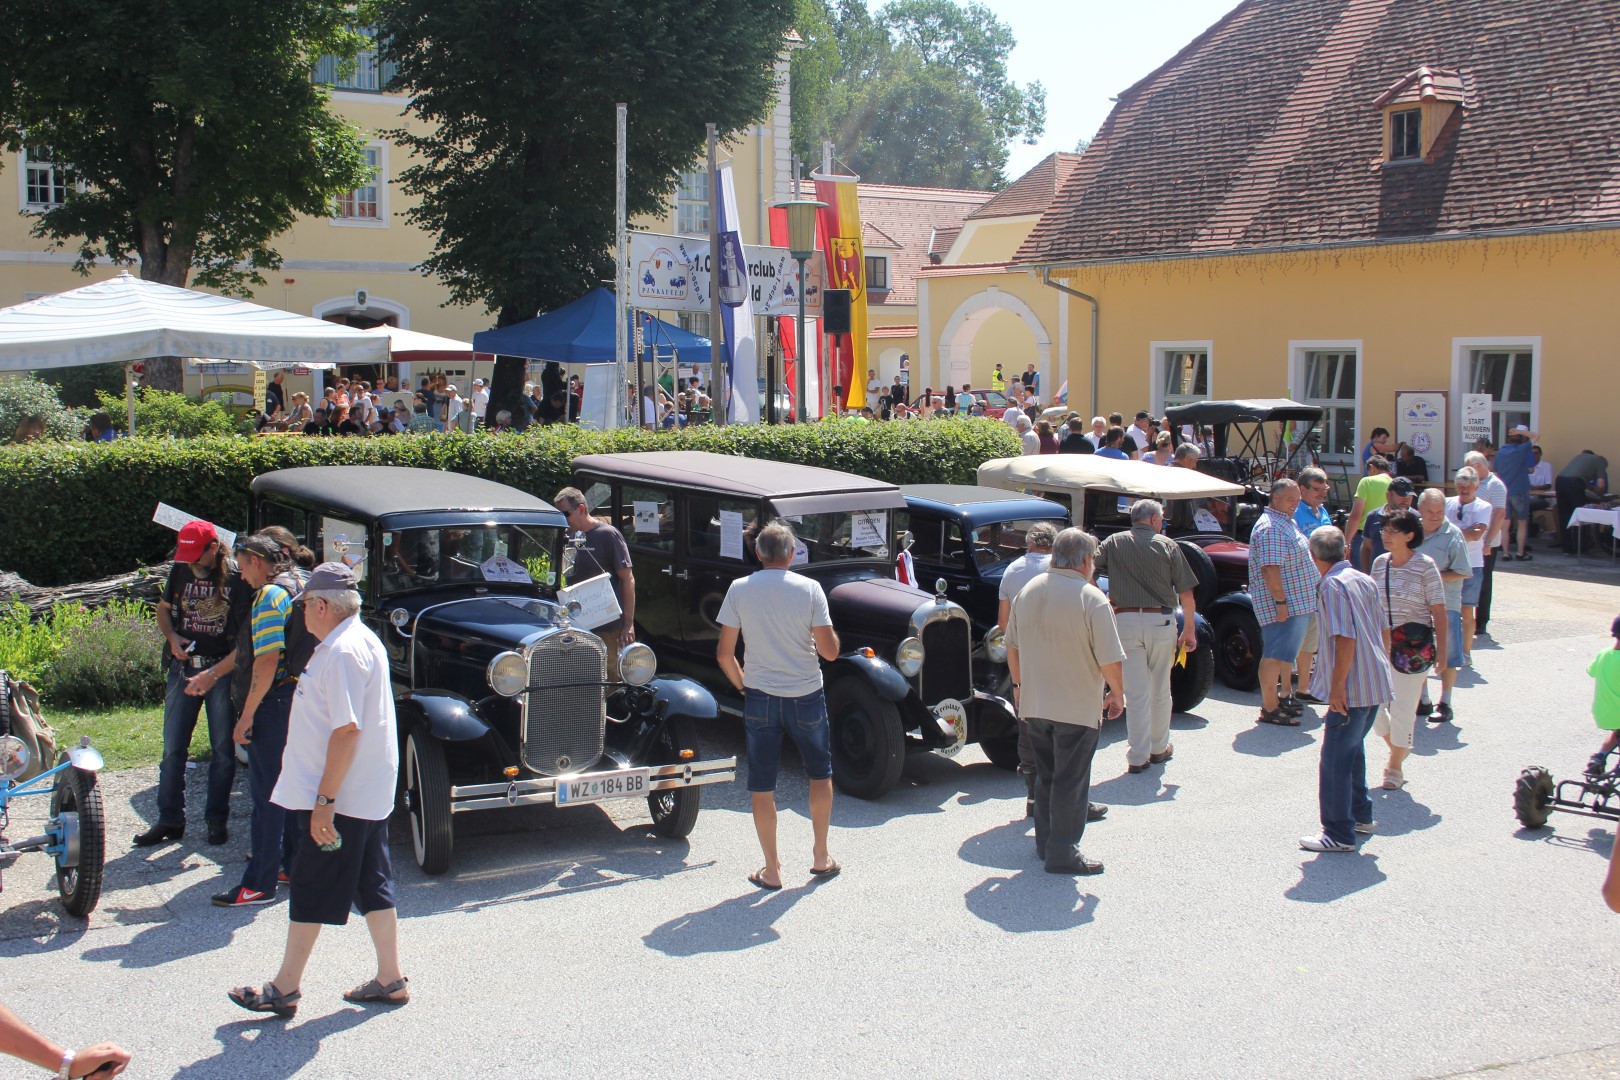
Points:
[[345, 542], [646, 516], [293, 520], [933, 538], [719, 528]]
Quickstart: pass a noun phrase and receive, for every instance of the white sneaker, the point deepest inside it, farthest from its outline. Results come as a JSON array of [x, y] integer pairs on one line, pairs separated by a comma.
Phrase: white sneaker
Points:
[[1393, 780], [1322, 843], [1366, 828]]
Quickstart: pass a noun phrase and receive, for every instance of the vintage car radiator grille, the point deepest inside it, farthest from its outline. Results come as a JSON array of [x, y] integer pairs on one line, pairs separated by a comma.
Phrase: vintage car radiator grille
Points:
[[947, 670], [565, 711]]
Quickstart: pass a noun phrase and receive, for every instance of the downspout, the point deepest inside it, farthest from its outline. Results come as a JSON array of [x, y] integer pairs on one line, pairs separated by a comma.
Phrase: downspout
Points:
[[1046, 279]]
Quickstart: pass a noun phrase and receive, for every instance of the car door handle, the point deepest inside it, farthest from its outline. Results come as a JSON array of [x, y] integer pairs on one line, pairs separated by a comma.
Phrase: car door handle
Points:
[[963, 588], [679, 575]]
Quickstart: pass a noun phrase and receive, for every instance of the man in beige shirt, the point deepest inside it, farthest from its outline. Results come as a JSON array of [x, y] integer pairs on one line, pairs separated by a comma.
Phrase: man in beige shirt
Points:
[[1061, 639]]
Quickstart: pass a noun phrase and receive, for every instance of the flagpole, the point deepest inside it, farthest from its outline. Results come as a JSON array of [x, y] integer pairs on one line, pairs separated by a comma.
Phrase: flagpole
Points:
[[719, 392], [621, 281]]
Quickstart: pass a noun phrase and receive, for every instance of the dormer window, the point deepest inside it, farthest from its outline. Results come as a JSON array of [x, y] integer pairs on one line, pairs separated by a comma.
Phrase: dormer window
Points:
[[1416, 110]]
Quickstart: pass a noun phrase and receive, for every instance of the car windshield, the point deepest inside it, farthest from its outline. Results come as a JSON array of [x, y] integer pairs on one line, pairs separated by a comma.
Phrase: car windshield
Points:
[[857, 534], [999, 542], [454, 554]]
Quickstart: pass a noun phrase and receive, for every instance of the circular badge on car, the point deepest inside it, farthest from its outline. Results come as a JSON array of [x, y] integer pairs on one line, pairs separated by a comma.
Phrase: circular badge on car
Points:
[[955, 714]]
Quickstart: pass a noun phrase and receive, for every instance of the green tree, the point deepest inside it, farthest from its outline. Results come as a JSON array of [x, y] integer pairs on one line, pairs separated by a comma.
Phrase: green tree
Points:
[[515, 148], [194, 134], [919, 92]]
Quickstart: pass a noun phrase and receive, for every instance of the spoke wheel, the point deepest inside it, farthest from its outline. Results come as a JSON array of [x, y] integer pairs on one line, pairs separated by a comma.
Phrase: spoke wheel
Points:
[[79, 819], [427, 797]]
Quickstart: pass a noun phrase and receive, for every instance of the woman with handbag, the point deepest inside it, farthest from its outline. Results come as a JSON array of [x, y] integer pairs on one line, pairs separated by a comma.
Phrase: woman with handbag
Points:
[[1415, 607]]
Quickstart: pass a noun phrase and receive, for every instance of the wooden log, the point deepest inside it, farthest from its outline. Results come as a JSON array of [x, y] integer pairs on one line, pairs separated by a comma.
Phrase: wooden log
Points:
[[145, 585]]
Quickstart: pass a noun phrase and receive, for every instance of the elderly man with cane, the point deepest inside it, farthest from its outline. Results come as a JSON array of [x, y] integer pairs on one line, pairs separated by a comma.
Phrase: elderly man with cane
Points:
[[337, 784], [1061, 639]]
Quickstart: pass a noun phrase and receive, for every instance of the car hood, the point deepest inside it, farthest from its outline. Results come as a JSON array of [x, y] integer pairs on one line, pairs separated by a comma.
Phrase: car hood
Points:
[[873, 602], [498, 620]]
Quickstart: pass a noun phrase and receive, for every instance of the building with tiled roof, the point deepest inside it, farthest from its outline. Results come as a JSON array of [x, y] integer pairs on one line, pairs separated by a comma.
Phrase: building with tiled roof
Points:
[[1357, 203]]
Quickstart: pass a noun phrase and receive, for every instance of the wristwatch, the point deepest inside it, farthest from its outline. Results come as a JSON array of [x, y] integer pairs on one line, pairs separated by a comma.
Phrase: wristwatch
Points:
[[65, 1072], [322, 800]]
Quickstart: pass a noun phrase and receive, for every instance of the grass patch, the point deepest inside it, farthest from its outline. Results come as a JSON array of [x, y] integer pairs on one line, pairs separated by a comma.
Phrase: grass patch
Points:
[[127, 736]]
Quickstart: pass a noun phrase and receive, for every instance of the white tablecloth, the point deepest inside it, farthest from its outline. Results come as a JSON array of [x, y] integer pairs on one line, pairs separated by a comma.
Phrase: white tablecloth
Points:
[[1592, 515]]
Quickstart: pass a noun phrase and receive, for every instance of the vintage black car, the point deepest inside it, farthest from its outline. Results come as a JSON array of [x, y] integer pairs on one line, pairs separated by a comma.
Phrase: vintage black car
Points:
[[969, 535], [905, 680], [501, 700]]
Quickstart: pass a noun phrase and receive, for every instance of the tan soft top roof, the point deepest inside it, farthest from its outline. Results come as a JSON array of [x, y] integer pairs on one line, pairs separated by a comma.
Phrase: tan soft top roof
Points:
[[1074, 472]]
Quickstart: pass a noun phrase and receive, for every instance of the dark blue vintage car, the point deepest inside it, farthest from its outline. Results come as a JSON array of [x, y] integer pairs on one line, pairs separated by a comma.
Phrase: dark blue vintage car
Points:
[[502, 700]]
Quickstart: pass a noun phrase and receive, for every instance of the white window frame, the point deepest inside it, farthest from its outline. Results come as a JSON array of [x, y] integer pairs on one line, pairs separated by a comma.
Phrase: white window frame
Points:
[[684, 201], [694, 322], [24, 203], [1158, 355], [888, 280], [1297, 385], [380, 182], [1462, 355]]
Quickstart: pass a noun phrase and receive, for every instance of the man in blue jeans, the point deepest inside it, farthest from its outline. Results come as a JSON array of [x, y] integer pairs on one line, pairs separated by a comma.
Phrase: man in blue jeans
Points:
[[784, 618], [202, 603], [1353, 677]]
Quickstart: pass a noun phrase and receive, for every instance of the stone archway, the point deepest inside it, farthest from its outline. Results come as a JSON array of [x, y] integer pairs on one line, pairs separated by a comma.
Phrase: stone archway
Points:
[[956, 340]]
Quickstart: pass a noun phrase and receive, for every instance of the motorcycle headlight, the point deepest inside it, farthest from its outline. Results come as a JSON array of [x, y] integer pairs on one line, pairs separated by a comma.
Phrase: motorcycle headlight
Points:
[[508, 674], [909, 657], [995, 645], [637, 664], [13, 756]]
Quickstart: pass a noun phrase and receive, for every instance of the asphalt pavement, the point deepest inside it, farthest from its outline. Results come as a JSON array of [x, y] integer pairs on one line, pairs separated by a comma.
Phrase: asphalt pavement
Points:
[[572, 942]]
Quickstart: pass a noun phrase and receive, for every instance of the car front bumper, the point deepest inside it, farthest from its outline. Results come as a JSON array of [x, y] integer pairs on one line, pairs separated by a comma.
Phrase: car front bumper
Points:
[[543, 789]]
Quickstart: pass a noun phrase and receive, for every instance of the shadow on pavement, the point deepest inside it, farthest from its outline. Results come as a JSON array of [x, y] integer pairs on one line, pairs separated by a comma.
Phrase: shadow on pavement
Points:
[[1271, 740], [1397, 813], [729, 926], [180, 936], [1597, 840], [280, 1047], [1438, 737], [1331, 877], [1142, 789], [1031, 901], [1004, 847]]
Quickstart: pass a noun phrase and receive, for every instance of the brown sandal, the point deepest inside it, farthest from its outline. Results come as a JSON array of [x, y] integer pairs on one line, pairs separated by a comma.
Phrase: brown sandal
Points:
[[1278, 717], [374, 993], [266, 999]]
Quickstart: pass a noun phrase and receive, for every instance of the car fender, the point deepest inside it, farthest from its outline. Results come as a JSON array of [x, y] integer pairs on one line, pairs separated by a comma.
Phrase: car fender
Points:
[[1228, 601], [678, 696], [991, 716], [448, 716], [884, 677]]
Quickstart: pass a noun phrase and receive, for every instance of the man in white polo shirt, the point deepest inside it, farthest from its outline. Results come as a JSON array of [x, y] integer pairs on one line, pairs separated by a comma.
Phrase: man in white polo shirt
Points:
[[480, 401]]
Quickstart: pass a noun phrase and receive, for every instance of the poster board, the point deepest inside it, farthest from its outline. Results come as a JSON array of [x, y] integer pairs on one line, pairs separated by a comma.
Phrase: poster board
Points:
[[1476, 419], [596, 407], [1420, 422]]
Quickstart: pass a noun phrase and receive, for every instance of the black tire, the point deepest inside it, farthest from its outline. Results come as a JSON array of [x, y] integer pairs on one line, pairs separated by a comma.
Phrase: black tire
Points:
[[427, 796], [80, 885], [675, 811], [868, 742], [1237, 649], [1208, 589], [1533, 796], [1189, 685], [1002, 751]]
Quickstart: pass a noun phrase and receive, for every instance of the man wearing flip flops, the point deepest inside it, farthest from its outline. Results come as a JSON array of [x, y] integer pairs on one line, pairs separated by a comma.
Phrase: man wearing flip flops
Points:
[[337, 784], [783, 618]]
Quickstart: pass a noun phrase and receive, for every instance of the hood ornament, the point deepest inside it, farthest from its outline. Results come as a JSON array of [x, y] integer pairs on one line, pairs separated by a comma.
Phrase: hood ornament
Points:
[[939, 590]]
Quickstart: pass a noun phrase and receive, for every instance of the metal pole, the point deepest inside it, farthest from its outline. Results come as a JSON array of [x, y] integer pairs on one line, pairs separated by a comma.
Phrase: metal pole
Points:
[[719, 392], [621, 284], [800, 350]]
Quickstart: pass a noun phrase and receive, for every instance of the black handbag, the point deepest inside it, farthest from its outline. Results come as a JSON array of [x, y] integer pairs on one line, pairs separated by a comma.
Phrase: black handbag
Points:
[[1411, 644]]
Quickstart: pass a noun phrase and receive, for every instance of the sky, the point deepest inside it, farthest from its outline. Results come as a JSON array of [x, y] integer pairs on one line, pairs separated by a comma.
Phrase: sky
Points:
[[1086, 51]]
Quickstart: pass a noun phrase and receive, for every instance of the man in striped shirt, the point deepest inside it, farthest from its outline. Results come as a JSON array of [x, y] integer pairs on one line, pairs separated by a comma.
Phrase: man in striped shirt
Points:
[[1353, 677]]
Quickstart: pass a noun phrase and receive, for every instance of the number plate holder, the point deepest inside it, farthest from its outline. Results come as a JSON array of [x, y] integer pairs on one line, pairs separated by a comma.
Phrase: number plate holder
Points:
[[595, 787]]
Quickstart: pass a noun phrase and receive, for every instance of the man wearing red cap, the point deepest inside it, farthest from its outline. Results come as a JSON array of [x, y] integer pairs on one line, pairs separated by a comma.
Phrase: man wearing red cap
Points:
[[202, 604]]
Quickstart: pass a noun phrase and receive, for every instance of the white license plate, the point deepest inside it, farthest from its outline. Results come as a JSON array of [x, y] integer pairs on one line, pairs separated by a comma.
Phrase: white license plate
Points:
[[616, 785]]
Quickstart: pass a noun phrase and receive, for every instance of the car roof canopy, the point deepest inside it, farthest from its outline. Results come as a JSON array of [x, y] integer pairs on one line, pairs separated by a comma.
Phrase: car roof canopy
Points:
[[371, 491], [1088, 472], [791, 488], [1249, 411]]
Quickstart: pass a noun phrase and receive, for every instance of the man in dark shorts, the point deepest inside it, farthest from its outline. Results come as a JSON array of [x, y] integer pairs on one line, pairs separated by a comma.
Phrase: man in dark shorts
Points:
[[605, 552], [337, 783], [783, 617]]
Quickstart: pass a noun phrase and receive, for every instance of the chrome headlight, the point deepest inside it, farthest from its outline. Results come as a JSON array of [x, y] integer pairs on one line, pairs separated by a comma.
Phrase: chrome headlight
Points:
[[13, 757], [637, 664], [508, 674], [908, 657], [995, 645]]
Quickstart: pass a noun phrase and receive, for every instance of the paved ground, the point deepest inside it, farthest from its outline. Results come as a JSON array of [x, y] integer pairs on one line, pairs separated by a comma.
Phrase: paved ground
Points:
[[573, 942]]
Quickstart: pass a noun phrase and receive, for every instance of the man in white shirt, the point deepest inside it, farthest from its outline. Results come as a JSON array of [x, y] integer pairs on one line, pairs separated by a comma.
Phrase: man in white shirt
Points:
[[1099, 432], [1012, 416], [453, 406], [1473, 516], [1493, 491], [337, 783], [1026, 434], [480, 401], [1139, 436]]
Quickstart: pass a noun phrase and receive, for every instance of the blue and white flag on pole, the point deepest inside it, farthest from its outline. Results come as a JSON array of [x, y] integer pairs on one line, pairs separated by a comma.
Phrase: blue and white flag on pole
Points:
[[736, 311]]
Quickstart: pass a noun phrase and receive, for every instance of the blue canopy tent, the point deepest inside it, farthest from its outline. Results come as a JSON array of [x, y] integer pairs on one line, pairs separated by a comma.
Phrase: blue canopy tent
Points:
[[582, 333]]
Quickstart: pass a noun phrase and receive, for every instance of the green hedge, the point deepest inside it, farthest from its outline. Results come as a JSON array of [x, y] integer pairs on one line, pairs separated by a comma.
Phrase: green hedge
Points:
[[75, 512]]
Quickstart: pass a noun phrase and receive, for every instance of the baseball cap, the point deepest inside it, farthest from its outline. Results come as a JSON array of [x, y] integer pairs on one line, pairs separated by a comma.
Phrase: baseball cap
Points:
[[330, 577], [1522, 427], [478, 382], [195, 536], [1402, 485], [451, 389]]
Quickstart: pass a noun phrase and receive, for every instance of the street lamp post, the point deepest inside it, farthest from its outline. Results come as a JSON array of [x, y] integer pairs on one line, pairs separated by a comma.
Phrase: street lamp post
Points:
[[801, 222]]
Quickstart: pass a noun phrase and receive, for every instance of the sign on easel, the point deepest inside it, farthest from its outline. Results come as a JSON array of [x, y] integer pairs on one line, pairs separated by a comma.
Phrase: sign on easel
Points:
[[1420, 422]]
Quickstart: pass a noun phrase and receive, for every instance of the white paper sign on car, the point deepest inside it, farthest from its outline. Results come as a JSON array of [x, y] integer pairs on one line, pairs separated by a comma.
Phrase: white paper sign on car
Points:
[[598, 606], [731, 534], [500, 568], [646, 519], [801, 552], [868, 528]]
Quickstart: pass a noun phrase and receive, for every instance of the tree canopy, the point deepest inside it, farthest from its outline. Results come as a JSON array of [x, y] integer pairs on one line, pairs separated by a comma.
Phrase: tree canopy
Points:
[[916, 93]]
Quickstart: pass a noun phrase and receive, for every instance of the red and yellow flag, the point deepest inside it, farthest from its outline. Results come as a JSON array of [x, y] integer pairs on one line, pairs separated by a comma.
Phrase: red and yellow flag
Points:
[[846, 269]]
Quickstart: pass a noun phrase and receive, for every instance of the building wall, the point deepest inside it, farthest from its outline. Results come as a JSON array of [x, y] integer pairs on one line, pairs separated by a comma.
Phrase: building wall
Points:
[[993, 240]]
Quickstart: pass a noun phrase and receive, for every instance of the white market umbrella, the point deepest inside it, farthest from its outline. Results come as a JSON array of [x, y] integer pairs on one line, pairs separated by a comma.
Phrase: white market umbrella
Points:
[[411, 341]]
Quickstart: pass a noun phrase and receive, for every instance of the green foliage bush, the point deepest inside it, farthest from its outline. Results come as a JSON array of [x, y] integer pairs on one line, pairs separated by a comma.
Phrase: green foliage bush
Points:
[[79, 387], [89, 506], [115, 657], [160, 412], [28, 646], [24, 395]]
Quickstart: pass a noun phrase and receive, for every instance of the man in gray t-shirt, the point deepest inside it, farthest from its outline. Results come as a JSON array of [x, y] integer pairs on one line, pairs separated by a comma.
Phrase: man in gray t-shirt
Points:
[[784, 619], [1035, 561]]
